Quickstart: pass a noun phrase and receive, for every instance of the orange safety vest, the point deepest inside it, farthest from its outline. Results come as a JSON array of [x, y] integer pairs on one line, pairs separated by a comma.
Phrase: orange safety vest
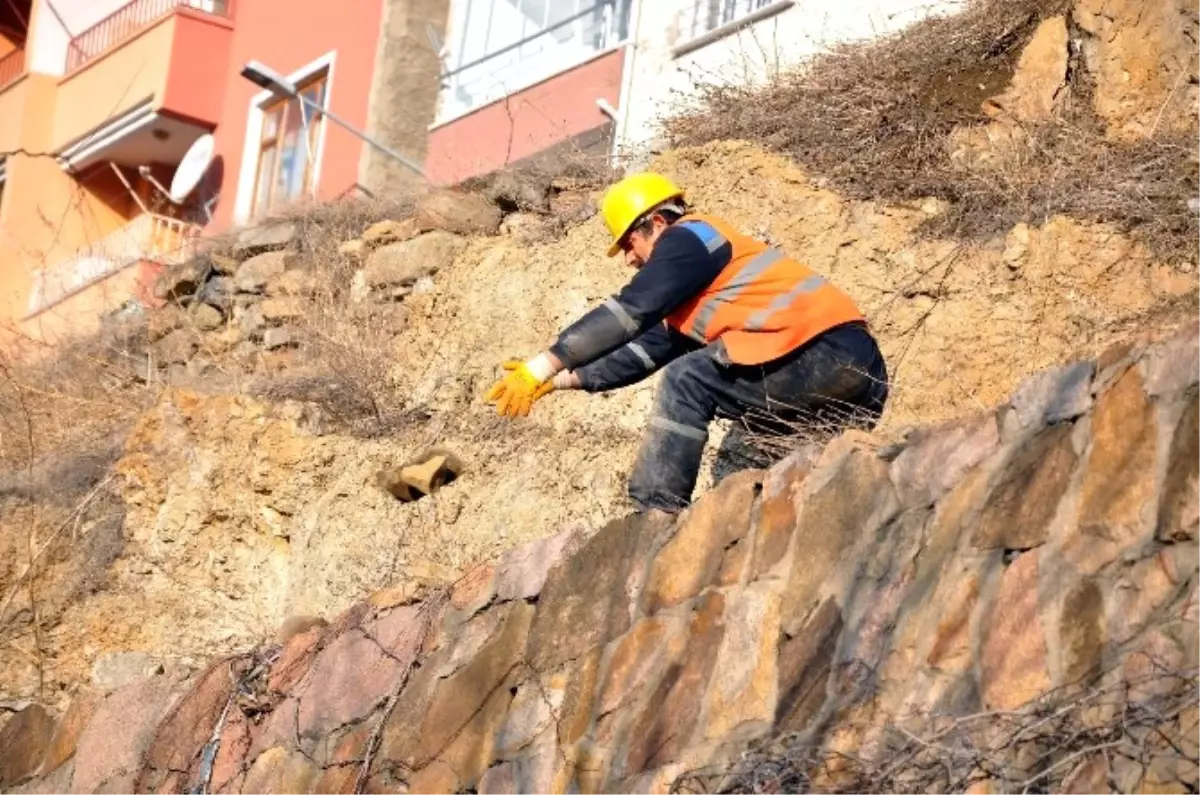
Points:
[[764, 304]]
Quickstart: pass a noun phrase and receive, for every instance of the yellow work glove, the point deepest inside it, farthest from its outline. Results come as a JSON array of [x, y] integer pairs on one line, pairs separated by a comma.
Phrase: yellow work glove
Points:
[[516, 393]]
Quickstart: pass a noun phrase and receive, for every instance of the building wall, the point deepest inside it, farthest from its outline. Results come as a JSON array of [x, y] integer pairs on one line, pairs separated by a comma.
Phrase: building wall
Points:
[[525, 123], [662, 77], [404, 92], [286, 35]]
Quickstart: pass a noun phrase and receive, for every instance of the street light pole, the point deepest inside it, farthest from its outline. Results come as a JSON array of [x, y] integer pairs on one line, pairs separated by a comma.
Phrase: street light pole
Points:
[[268, 78]]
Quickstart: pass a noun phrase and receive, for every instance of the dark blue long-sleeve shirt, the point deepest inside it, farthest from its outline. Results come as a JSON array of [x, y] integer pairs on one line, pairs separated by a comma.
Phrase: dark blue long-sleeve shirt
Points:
[[625, 339]]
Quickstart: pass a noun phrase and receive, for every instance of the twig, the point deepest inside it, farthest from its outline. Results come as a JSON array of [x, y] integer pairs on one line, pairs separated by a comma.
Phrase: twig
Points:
[[46, 545]]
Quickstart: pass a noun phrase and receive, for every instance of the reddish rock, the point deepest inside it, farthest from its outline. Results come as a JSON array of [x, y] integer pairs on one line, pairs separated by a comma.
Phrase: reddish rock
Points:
[[23, 744], [359, 670], [1149, 669], [691, 559], [668, 718], [1172, 366], [294, 660], [341, 770], [464, 641], [66, 736], [1088, 776], [1179, 506], [951, 647], [455, 700], [280, 770], [1026, 495], [232, 754], [586, 601], [805, 661], [638, 658], [531, 712], [1013, 665], [114, 741], [733, 563], [181, 736], [579, 682], [1144, 588], [856, 500], [1054, 395], [1119, 482], [475, 590], [521, 572], [1081, 631], [777, 511], [462, 761], [743, 685], [937, 458]]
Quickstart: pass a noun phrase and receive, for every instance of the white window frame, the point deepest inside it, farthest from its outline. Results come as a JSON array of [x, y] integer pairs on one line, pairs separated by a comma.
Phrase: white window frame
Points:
[[457, 33], [244, 202]]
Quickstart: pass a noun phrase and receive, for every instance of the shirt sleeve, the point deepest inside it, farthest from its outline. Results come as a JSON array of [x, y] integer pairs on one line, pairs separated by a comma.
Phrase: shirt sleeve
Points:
[[685, 260], [635, 360]]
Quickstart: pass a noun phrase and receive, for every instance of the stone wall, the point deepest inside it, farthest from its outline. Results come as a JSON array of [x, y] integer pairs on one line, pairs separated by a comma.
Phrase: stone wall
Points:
[[978, 565]]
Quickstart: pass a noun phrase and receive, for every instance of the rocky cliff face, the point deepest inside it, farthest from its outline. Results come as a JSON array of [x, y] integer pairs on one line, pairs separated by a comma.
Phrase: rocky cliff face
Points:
[[982, 565]]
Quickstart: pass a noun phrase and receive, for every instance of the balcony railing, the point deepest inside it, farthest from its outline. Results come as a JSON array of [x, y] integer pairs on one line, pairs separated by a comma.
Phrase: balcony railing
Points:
[[12, 66], [155, 238], [127, 21]]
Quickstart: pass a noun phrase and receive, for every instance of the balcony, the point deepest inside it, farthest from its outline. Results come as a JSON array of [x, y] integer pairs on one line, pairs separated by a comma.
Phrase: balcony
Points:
[[127, 22], [147, 238], [143, 83]]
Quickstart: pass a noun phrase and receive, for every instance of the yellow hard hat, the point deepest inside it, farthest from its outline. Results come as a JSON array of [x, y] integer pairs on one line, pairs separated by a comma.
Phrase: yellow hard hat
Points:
[[628, 200]]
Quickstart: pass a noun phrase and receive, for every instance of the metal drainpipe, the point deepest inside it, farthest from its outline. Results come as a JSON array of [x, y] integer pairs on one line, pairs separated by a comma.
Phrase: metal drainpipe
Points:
[[631, 47]]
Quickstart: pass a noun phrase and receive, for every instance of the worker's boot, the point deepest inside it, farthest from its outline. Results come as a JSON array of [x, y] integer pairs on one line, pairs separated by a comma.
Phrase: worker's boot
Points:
[[667, 465]]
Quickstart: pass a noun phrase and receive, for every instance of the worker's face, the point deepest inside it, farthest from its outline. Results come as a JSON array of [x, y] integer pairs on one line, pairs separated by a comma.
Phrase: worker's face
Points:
[[638, 244]]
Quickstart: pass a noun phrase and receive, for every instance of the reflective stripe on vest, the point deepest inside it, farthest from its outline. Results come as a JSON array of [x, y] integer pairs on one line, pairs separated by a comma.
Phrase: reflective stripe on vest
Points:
[[764, 304], [726, 295]]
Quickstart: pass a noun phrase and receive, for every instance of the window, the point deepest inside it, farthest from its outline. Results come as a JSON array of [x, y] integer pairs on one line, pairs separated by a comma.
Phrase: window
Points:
[[287, 149], [502, 46], [701, 16]]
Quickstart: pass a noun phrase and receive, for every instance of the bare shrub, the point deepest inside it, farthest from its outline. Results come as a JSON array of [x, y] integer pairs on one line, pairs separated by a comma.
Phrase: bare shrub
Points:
[[875, 120]]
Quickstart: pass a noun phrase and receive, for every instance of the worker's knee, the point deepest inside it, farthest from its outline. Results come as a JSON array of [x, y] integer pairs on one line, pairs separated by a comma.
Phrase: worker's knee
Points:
[[684, 390]]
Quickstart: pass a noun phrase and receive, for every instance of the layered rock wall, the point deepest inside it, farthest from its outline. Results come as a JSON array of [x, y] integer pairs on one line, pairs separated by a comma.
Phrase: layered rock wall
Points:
[[978, 565]]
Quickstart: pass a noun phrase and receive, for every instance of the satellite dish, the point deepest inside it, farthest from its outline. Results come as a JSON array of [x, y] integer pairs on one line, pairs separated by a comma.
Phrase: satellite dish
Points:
[[191, 168]]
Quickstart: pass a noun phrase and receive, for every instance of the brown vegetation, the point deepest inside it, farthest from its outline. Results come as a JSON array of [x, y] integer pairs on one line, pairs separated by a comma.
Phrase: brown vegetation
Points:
[[876, 121]]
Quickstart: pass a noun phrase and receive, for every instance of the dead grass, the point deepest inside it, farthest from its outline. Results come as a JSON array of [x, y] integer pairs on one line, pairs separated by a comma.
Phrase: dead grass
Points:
[[875, 121]]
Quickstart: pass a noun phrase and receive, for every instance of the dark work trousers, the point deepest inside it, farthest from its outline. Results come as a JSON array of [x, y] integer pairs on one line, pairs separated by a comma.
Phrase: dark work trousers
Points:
[[835, 381]]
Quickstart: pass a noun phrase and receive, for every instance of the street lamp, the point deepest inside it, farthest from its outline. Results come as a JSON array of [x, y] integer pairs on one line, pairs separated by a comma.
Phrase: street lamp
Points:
[[268, 78]]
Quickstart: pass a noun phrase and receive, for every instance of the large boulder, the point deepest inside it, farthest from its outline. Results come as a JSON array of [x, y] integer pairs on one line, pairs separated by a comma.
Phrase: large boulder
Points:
[[458, 212], [401, 264]]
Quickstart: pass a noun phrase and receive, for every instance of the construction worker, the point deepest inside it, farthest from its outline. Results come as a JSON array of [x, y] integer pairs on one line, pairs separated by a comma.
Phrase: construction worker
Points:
[[742, 330]]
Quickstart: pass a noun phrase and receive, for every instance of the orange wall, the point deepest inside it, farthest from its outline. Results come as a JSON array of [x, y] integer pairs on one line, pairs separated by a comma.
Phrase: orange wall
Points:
[[114, 83], [531, 120], [286, 35], [199, 52]]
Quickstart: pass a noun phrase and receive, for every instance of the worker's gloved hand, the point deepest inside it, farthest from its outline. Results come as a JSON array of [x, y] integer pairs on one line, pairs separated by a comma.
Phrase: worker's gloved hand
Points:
[[516, 393]]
